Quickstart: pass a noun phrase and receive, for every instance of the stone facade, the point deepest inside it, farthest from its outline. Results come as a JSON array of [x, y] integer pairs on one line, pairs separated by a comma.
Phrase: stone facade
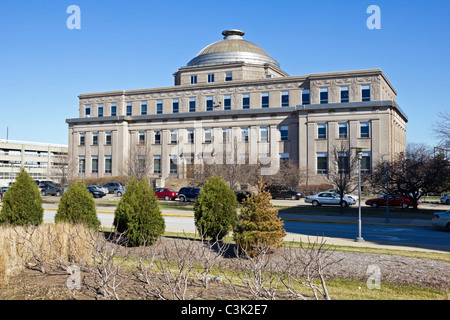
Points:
[[212, 107]]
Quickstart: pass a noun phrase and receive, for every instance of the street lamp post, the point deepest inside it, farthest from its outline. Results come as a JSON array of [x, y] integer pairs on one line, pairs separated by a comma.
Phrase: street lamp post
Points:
[[359, 155]]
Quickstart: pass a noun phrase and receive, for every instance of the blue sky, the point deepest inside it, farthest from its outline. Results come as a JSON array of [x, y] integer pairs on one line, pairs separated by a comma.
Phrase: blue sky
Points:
[[136, 44]]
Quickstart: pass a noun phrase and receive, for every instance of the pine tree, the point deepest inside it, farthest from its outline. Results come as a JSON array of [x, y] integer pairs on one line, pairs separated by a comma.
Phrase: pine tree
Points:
[[138, 214], [259, 225], [77, 205], [22, 203], [215, 209]]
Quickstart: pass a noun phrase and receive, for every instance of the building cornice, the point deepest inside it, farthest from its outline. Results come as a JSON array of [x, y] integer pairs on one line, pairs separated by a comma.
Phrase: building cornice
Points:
[[242, 112]]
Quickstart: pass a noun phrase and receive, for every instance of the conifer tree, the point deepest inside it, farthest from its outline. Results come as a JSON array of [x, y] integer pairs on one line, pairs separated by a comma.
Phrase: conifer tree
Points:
[[77, 205], [259, 225], [22, 203], [138, 214], [215, 209]]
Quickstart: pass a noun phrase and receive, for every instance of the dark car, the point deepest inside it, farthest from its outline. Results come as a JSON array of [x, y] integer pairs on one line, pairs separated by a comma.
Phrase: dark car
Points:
[[49, 190], [96, 193], [188, 194], [241, 195], [284, 193], [113, 186], [166, 193], [394, 200]]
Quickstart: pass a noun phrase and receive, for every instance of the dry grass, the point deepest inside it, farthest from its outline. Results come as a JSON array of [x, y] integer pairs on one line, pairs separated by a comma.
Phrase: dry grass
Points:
[[53, 243]]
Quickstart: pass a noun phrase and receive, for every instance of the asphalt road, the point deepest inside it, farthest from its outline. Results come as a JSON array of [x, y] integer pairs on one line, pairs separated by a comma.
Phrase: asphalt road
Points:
[[410, 236]]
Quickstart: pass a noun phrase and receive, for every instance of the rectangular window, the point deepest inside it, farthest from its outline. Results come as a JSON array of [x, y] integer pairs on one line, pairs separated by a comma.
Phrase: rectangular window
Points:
[[108, 139], [100, 110], [157, 137], [191, 104], [244, 134], [173, 163], [207, 135], [321, 131], [343, 130], [190, 136], [285, 98], [365, 92], [95, 138], [141, 164], [322, 162], [284, 158], [229, 76], [193, 79], [143, 108], [211, 78], [173, 136], [323, 95], [343, 162], [157, 164], [264, 100], [81, 164], [142, 137], [159, 106], [94, 164], [108, 164], [82, 139], [366, 162], [344, 94], [175, 106], [227, 102], [87, 110], [113, 109], [306, 97], [226, 135], [284, 133], [209, 103], [364, 129], [246, 101], [264, 134], [129, 109]]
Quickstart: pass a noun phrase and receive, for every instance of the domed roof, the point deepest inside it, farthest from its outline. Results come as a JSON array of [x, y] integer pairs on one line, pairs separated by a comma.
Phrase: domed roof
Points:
[[233, 48]]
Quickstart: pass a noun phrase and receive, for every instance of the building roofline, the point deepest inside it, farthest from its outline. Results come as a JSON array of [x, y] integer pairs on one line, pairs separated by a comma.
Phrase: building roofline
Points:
[[314, 76]]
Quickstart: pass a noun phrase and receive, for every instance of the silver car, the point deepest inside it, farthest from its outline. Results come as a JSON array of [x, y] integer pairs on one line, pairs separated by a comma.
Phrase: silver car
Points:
[[441, 220], [329, 198]]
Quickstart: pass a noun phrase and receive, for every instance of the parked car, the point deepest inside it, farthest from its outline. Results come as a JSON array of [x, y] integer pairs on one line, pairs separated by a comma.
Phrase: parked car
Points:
[[241, 195], [166, 193], [120, 192], [2, 192], [102, 189], [445, 199], [346, 194], [441, 220], [394, 200], [284, 193], [188, 194], [329, 198], [112, 186], [49, 190], [96, 193]]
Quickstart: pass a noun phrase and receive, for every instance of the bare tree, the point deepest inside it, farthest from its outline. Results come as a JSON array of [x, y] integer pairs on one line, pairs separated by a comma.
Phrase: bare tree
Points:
[[138, 162], [306, 264], [343, 170], [442, 129]]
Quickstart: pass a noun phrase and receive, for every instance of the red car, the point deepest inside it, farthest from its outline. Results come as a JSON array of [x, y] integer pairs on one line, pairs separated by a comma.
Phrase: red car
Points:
[[166, 194], [394, 200]]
